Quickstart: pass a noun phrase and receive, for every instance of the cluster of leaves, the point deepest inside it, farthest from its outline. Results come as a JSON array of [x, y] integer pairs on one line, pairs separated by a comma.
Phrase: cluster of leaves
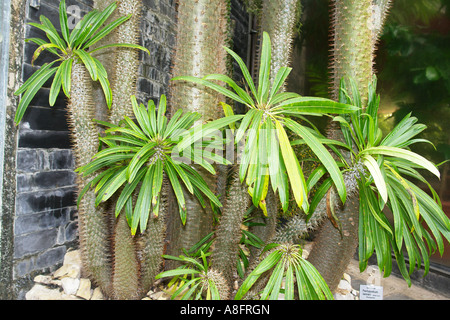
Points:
[[138, 155], [268, 157], [72, 47], [190, 280], [388, 172], [286, 262]]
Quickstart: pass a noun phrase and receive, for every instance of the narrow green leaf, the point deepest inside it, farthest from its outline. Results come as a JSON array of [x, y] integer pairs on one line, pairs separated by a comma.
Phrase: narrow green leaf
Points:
[[291, 163], [89, 63], [105, 31], [324, 156], [143, 203], [55, 87], [63, 20], [66, 76], [32, 89], [248, 78], [377, 176], [278, 82], [405, 154], [264, 69], [176, 186]]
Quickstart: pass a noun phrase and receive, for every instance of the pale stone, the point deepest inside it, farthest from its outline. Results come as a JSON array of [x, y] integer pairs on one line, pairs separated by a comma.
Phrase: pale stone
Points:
[[156, 295], [70, 297], [97, 294], [347, 278], [344, 285], [68, 270], [40, 292], [70, 285], [61, 272], [146, 298], [84, 290], [43, 279], [73, 258], [347, 296]]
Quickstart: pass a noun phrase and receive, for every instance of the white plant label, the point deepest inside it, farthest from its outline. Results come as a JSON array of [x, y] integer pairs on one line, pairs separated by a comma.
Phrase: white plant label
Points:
[[370, 292]]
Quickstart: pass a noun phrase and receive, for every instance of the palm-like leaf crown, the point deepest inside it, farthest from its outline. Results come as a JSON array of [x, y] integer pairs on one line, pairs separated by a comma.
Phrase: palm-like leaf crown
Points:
[[285, 261], [387, 173], [72, 47], [139, 154], [267, 150]]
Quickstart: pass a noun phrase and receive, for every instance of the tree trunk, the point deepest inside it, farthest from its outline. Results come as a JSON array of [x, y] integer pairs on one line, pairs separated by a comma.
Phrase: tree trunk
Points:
[[201, 34], [94, 236], [356, 27]]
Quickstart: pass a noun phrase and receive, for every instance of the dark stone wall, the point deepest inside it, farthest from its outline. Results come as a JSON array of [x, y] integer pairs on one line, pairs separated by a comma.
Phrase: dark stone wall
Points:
[[45, 223]]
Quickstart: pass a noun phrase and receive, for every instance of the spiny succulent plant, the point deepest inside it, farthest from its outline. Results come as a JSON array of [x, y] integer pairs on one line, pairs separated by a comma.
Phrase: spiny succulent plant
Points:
[[77, 67], [122, 64], [355, 27], [202, 31], [285, 261], [228, 232], [352, 46], [279, 19]]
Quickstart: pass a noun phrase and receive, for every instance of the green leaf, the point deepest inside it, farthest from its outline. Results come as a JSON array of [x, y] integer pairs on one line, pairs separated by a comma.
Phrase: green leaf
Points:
[[315, 105], [139, 159], [39, 50], [161, 114], [295, 175], [322, 153], [176, 186], [268, 263], [404, 154], [278, 82], [377, 176], [89, 63], [104, 82], [66, 76], [63, 20], [176, 272], [51, 33], [216, 87], [81, 26], [128, 190], [41, 42], [55, 87], [264, 69], [105, 31], [248, 78], [143, 203], [241, 93], [120, 45], [32, 88]]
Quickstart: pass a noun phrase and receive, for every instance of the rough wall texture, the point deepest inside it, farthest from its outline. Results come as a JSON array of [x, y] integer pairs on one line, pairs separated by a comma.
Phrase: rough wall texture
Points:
[[44, 223]]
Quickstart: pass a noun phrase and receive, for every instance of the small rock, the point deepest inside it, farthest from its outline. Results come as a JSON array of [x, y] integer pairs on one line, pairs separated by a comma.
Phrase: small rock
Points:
[[84, 290], [73, 258], [97, 294], [68, 270], [43, 279], [61, 272], [41, 292], [344, 287], [347, 278], [156, 295], [146, 298], [70, 297], [347, 296], [70, 285]]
